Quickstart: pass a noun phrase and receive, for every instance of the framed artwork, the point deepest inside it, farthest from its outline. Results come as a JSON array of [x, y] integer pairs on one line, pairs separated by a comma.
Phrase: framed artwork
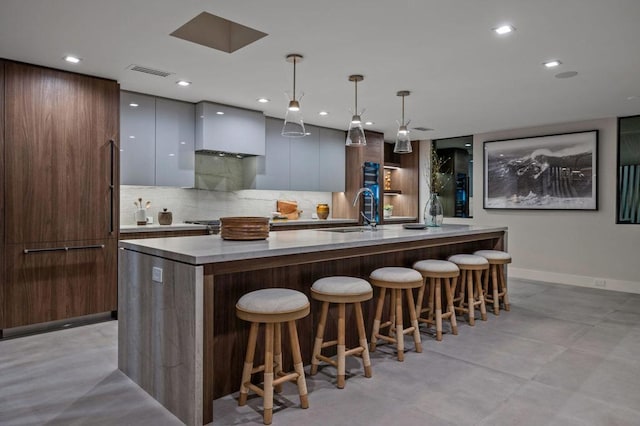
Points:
[[552, 172]]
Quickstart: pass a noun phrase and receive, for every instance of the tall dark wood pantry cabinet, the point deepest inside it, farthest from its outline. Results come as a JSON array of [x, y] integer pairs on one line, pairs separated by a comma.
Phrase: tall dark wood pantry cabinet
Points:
[[60, 182]]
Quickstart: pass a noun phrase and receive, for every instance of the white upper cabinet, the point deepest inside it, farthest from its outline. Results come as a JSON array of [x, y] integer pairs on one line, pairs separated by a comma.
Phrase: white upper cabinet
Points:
[[331, 159], [175, 141], [304, 161], [137, 139], [229, 129]]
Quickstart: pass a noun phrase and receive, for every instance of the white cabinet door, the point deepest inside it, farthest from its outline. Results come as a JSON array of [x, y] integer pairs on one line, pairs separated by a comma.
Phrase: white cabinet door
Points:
[[304, 161], [229, 129], [331, 160], [137, 139], [175, 139]]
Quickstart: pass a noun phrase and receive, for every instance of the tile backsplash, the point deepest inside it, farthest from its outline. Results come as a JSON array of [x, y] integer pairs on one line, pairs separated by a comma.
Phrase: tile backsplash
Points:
[[204, 204]]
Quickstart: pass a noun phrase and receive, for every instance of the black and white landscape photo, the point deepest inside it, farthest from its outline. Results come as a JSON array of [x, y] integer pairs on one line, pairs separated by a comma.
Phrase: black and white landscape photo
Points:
[[556, 172]]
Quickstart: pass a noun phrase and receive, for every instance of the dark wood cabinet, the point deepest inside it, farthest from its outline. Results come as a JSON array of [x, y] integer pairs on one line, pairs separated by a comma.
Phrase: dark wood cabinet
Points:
[[61, 191]]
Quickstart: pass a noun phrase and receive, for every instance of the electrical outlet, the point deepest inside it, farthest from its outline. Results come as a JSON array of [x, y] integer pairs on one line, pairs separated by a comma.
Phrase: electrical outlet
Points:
[[598, 282], [156, 274]]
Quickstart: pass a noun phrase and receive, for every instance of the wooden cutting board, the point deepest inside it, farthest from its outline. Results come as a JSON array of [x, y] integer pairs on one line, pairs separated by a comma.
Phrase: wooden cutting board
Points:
[[288, 209]]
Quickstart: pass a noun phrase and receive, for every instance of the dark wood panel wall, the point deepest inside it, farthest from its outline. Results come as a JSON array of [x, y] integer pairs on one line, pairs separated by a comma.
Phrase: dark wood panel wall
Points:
[[230, 334], [2, 211]]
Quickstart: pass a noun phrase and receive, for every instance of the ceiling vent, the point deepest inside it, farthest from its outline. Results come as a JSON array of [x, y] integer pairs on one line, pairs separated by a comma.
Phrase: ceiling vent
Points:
[[422, 129], [151, 71]]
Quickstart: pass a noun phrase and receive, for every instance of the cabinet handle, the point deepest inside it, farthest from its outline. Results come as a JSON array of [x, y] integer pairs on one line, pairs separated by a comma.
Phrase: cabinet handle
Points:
[[112, 145], [66, 248]]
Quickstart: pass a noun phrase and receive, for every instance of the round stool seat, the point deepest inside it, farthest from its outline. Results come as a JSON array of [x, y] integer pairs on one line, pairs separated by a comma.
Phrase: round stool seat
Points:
[[341, 289], [273, 305], [437, 268], [494, 256], [469, 261], [396, 277]]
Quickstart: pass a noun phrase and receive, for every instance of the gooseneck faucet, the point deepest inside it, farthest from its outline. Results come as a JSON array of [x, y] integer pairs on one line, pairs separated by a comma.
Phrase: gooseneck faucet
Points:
[[371, 222]]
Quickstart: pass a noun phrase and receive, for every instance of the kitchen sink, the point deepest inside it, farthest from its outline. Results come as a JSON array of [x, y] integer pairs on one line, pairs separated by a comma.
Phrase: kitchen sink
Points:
[[347, 229]]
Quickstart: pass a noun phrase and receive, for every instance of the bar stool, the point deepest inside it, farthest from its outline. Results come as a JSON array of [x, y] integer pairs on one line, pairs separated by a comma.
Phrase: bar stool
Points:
[[434, 273], [341, 290], [396, 280], [272, 307], [496, 259], [471, 267]]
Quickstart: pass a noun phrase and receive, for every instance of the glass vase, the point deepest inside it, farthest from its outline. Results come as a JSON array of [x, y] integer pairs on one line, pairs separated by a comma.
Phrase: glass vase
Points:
[[433, 212]]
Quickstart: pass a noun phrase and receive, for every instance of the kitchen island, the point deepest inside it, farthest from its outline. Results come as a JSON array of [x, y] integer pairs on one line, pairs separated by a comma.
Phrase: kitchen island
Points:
[[179, 338]]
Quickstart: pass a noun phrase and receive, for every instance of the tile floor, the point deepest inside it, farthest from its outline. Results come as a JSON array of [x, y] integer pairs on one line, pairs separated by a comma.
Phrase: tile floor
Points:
[[562, 356]]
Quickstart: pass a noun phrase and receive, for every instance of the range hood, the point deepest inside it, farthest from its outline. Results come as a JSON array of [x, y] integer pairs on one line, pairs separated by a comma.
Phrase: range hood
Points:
[[224, 130]]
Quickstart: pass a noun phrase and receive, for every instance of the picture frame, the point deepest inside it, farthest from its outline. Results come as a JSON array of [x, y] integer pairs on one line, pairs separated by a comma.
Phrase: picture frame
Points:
[[550, 172]]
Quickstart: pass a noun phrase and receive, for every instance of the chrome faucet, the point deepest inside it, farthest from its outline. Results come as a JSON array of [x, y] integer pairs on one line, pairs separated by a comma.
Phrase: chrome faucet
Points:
[[371, 222]]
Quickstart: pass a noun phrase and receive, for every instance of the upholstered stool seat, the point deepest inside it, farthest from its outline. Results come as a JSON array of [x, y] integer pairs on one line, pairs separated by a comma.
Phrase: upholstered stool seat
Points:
[[435, 272], [341, 290], [497, 259], [397, 280], [471, 267], [272, 306]]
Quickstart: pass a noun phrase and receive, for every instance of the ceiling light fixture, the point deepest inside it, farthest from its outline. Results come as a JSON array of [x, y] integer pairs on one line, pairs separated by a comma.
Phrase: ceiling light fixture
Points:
[[219, 113], [133, 105], [293, 125], [403, 143], [323, 113], [355, 135], [369, 123], [504, 29], [263, 100], [552, 64], [183, 83], [72, 59]]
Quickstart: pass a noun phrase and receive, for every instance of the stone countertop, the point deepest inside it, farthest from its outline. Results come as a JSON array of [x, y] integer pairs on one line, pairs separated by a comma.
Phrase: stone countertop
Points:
[[126, 229], [205, 249]]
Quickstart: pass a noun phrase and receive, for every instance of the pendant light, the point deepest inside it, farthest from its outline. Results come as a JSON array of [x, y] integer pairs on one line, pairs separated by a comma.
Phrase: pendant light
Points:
[[355, 135], [403, 143], [293, 125]]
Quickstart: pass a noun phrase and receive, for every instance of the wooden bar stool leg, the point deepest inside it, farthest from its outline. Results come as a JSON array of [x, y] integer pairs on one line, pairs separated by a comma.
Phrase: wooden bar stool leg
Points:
[[268, 374], [503, 281], [432, 290], [341, 345], [438, 301], [496, 288], [450, 308], [399, 325], [483, 308], [317, 347], [297, 364], [420, 298], [414, 320], [376, 320], [362, 335], [277, 354], [248, 363], [470, 298], [392, 312], [463, 288]]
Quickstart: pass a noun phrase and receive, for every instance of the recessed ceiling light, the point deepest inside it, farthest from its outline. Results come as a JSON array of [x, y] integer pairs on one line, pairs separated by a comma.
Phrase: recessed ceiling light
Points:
[[263, 100], [133, 105], [183, 143], [183, 83], [552, 64], [323, 113], [467, 144], [132, 137], [220, 113], [172, 155], [504, 29], [72, 59], [369, 123]]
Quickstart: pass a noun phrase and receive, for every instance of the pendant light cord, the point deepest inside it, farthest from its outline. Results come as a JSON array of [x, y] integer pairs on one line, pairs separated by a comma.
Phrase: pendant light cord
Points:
[[356, 111], [294, 78], [402, 124]]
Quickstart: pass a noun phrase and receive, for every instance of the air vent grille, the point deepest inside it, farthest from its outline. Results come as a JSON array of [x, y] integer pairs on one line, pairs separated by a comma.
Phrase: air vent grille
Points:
[[422, 129], [147, 70]]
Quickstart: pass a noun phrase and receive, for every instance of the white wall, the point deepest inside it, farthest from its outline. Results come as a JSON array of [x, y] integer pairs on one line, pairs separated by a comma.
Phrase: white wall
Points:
[[201, 204], [569, 247]]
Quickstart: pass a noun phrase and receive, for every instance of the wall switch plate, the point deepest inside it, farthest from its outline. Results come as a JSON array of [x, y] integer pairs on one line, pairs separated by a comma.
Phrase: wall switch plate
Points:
[[156, 274]]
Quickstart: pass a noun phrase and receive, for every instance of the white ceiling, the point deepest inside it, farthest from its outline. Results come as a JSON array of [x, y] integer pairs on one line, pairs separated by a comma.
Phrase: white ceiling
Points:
[[464, 78]]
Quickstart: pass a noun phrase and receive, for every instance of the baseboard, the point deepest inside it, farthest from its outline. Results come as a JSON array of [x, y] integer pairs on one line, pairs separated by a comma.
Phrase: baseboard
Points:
[[577, 280]]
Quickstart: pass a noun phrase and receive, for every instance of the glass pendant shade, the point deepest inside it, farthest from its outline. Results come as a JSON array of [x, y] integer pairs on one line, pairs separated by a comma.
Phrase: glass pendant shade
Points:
[[293, 125], [403, 143], [355, 135]]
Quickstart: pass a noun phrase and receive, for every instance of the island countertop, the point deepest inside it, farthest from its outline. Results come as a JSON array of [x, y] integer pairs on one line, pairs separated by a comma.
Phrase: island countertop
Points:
[[200, 250]]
